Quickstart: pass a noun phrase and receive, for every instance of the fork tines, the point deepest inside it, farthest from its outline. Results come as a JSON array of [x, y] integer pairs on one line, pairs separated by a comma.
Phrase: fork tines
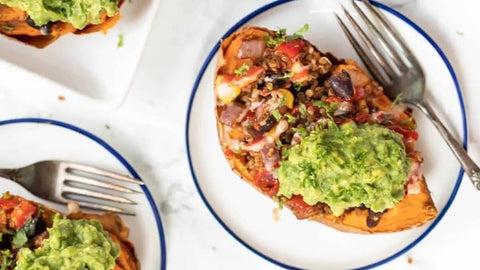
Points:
[[383, 44], [89, 179]]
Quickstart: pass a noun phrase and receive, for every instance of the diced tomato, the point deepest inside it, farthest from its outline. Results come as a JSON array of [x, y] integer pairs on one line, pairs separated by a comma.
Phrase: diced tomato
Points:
[[405, 132], [266, 182], [295, 110], [362, 118], [291, 48], [7, 204], [301, 76], [333, 99], [298, 205], [21, 213], [358, 93], [249, 115], [229, 153], [228, 78]]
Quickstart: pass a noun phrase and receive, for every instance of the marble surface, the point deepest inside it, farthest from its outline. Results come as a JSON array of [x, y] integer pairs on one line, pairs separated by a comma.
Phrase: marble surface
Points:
[[148, 128]]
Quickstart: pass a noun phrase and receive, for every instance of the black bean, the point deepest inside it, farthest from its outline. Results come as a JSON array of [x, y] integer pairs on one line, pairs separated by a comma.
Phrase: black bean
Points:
[[288, 135], [342, 85], [45, 29], [34, 227], [373, 218], [269, 123]]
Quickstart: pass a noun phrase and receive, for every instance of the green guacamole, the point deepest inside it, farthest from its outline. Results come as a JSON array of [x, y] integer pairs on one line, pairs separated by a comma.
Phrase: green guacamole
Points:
[[346, 166], [71, 245], [77, 12]]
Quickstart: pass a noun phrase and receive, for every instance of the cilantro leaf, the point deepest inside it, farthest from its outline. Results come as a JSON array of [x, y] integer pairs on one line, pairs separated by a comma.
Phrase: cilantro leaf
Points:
[[299, 33], [302, 109], [302, 131], [120, 40], [278, 143], [241, 70], [397, 100], [297, 86], [277, 115], [19, 239], [8, 27], [290, 118], [281, 36]]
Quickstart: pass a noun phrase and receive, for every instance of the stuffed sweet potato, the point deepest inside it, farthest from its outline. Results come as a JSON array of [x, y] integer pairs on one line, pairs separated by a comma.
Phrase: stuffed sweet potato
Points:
[[317, 134], [34, 236], [39, 23]]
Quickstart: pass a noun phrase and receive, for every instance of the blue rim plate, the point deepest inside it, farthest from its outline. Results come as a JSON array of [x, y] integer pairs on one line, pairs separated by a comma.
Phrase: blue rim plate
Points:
[[119, 158], [208, 202]]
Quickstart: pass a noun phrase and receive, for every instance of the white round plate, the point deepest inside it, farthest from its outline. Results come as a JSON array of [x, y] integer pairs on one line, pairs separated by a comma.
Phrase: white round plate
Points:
[[25, 141], [290, 243]]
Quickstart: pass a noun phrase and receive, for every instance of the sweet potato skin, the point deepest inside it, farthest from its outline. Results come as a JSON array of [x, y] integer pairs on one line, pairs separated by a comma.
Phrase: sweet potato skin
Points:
[[414, 210], [13, 24]]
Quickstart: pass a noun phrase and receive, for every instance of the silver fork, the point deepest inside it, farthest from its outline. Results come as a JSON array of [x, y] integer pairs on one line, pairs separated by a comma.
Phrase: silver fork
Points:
[[395, 67], [62, 181]]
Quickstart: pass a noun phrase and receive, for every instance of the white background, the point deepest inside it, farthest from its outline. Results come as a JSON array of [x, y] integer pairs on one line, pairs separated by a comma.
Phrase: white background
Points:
[[148, 128]]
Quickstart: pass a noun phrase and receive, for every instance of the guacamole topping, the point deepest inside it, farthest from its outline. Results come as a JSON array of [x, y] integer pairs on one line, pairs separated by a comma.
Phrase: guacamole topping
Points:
[[77, 12], [346, 166], [71, 245]]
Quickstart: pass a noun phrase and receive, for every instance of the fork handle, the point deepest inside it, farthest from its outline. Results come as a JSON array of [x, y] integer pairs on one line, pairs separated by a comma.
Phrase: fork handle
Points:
[[468, 165]]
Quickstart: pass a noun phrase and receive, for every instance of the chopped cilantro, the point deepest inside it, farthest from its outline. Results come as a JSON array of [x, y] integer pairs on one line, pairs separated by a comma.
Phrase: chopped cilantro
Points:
[[277, 115], [281, 36], [280, 204], [297, 86], [8, 27], [299, 33], [320, 103], [287, 75], [19, 239], [302, 109], [290, 118], [120, 41], [329, 107], [302, 131], [273, 41], [278, 143], [397, 100], [281, 32], [285, 152], [408, 121], [241, 70]]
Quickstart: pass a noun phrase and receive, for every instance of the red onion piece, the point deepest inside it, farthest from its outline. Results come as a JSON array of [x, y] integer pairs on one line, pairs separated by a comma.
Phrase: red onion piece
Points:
[[251, 49]]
